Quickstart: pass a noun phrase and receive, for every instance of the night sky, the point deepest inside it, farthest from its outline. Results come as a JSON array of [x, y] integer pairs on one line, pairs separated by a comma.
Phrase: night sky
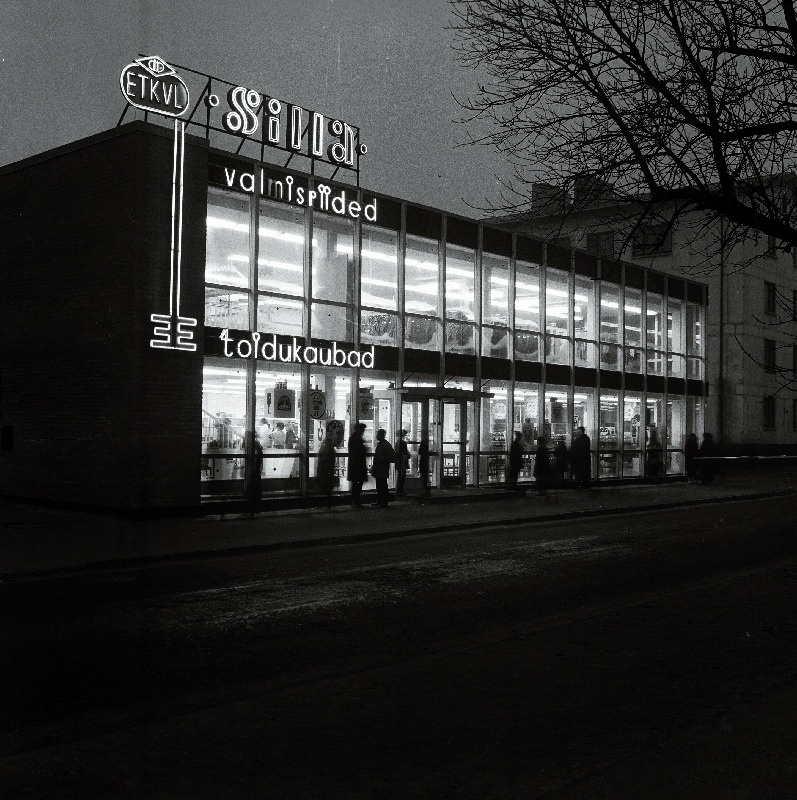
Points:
[[387, 67]]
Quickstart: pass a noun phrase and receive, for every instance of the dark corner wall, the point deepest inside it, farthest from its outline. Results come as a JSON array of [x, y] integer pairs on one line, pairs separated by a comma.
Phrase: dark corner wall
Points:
[[90, 413]]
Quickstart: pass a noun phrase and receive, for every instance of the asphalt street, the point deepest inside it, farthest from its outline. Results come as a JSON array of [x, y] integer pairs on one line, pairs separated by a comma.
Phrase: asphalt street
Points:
[[641, 655]]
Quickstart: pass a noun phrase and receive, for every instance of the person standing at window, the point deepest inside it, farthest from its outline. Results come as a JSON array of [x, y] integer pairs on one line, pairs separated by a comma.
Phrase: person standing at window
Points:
[[357, 469], [515, 461], [384, 456], [402, 462]]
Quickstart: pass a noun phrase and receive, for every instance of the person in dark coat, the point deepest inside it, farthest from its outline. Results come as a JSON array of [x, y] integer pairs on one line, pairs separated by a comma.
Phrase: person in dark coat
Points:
[[357, 468], [402, 462], [542, 469], [325, 468], [580, 459], [560, 460], [254, 450], [515, 461], [384, 456], [706, 450], [691, 449], [653, 460], [423, 464]]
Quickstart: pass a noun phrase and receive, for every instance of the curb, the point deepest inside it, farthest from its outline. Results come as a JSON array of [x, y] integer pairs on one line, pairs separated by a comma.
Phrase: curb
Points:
[[353, 538]]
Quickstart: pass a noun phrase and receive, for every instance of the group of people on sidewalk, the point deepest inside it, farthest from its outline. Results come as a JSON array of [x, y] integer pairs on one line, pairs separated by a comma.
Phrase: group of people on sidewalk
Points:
[[546, 470]]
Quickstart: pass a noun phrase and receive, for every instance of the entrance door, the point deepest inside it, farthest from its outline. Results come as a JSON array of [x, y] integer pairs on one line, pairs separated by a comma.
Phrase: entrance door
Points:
[[419, 415], [455, 426]]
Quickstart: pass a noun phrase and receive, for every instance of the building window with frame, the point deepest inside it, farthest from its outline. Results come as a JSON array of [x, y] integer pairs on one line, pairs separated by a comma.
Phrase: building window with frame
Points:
[[652, 240], [770, 298], [769, 413], [770, 358]]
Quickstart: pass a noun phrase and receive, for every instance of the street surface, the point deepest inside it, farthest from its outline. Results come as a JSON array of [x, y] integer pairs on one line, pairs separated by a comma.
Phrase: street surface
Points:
[[648, 655]]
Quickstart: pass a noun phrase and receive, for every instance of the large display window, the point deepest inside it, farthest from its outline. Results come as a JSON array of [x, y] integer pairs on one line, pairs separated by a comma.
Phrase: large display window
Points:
[[633, 436], [281, 256], [280, 427], [223, 426], [333, 259], [609, 435], [557, 302], [584, 322], [527, 296], [225, 308], [495, 290], [379, 268], [328, 417], [281, 315], [421, 276], [227, 245], [495, 432], [332, 322], [460, 282], [558, 415]]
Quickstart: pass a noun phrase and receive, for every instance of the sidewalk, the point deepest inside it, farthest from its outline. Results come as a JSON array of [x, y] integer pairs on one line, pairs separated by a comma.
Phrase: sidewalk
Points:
[[38, 541]]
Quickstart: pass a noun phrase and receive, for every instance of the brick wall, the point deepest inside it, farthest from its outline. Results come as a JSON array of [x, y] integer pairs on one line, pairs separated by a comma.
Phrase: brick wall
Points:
[[98, 416]]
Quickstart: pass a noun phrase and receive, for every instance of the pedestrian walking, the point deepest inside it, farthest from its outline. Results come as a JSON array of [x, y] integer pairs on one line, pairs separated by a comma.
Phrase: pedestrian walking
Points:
[[402, 462], [653, 461], [542, 469], [423, 464], [560, 458], [515, 461], [384, 456], [325, 469], [707, 452], [581, 458], [691, 449], [357, 468]]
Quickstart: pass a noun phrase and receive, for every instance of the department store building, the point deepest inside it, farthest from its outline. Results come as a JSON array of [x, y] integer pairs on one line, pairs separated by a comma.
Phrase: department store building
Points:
[[165, 296]]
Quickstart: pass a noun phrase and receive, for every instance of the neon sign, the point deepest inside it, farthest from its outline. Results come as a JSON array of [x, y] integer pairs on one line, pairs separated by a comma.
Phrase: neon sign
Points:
[[291, 350], [152, 85], [320, 197], [149, 83]]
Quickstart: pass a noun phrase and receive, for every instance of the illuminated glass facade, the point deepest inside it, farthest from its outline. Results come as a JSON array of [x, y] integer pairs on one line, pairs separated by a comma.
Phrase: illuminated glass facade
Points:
[[476, 333]]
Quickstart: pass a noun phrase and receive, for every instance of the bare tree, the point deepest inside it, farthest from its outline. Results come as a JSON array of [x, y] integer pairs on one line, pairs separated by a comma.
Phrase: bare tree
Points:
[[676, 105]]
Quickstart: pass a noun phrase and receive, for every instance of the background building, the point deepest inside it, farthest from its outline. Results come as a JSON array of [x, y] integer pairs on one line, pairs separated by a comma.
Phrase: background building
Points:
[[751, 331]]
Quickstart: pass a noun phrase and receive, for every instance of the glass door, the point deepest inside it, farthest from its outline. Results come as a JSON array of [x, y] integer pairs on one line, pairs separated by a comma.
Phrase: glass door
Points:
[[419, 417], [455, 430]]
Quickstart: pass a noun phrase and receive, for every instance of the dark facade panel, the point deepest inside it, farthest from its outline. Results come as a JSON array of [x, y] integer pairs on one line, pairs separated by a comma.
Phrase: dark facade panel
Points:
[[557, 373], [657, 384], [634, 382], [657, 283], [585, 376], [458, 364], [421, 361], [694, 292], [586, 265], [695, 388], [611, 380], [386, 357], [529, 250], [558, 257], [528, 371], [388, 213], [496, 241], [676, 386], [462, 232], [495, 368], [424, 222], [676, 289], [634, 276]]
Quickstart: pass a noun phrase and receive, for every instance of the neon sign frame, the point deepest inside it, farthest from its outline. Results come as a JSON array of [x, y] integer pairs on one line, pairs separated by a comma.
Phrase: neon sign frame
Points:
[[264, 121]]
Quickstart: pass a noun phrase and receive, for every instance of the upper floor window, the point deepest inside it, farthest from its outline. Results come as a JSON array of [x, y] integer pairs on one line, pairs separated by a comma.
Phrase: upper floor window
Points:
[[769, 355], [652, 240], [770, 298], [769, 413]]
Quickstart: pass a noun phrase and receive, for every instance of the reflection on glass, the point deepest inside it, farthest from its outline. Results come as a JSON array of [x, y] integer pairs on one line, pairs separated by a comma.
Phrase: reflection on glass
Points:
[[333, 259], [610, 312], [654, 321], [527, 296], [460, 265], [227, 255], [421, 276], [495, 342], [557, 302], [584, 309], [379, 327], [332, 322], [694, 329], [379, 269], [495, 289], [675, 325], [226, 309], [422, 333], [280, 261], [280, 315]]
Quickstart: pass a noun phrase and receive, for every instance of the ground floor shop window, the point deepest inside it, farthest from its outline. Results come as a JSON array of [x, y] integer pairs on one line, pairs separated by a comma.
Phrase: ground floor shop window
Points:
[[609, 436], [495, 433]]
